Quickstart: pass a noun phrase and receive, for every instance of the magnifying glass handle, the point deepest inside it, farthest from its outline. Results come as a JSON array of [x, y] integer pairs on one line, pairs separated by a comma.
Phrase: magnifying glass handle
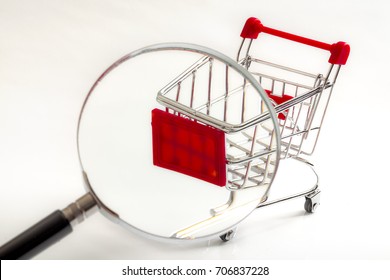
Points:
[[47, 231], [37, 238]]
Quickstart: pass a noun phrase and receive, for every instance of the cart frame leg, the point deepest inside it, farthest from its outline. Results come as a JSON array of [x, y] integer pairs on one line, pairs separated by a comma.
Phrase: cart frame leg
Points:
[[312, 193], [312, 199]]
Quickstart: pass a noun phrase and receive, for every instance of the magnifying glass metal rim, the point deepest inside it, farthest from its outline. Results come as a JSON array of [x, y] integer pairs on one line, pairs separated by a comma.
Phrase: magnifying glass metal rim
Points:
[[104, 209]]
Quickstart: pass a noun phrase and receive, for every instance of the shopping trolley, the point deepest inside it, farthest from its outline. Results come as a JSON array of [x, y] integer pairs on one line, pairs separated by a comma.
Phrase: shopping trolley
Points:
[[225, 122], [223, 134]]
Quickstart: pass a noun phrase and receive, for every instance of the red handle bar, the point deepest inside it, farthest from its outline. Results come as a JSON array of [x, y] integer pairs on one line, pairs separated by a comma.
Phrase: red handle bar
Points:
[[339, 51]]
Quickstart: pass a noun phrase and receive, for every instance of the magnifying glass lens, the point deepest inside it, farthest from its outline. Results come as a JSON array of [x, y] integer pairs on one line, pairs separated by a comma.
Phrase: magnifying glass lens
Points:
[[159, 170]]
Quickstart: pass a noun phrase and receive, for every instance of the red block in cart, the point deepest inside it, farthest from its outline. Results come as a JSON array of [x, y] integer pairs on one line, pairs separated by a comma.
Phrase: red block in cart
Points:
[[188, 147]]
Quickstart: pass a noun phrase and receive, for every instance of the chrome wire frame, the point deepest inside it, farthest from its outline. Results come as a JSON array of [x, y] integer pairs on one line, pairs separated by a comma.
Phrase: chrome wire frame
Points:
[[251, 153], [250, 143], [303, 114]]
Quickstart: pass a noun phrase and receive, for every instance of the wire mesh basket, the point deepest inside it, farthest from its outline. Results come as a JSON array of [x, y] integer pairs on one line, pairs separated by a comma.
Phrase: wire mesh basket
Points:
[[220, 129]]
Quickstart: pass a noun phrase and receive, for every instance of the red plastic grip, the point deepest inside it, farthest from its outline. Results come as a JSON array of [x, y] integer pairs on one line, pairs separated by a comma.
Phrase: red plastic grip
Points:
[[188, 147], [339, 51], [279, 100]]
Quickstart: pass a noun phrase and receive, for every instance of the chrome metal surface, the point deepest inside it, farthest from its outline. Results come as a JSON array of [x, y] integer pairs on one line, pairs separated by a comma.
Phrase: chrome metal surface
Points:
[[303, 114], [77, 211]]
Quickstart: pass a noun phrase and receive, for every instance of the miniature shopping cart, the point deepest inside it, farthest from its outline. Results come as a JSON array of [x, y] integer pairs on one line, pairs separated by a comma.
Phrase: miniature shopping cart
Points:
[[227, 123], [217, 128]]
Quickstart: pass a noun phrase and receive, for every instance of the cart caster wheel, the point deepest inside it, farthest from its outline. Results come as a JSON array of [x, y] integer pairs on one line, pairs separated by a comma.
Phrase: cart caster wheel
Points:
[[228, 236], [312, 202], [310, 207]]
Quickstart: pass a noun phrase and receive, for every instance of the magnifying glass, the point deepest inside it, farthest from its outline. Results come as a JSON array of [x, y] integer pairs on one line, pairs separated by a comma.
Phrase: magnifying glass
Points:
[[176, 142]]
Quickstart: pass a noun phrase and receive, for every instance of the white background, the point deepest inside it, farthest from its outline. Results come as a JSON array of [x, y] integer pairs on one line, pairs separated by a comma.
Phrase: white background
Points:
[[51, 52]]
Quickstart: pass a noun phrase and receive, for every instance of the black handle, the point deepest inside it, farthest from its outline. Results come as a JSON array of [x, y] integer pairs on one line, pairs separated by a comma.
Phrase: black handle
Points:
[[37, 238]]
